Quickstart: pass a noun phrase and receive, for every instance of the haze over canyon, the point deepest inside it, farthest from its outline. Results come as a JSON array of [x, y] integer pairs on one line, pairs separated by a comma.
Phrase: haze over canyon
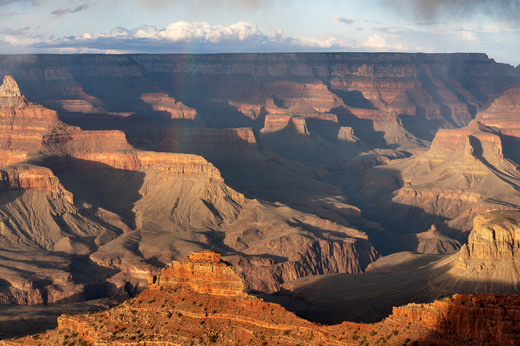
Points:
[[346, 183]]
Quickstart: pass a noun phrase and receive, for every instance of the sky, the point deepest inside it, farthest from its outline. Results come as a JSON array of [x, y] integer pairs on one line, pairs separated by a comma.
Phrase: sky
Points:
[[225, 26]]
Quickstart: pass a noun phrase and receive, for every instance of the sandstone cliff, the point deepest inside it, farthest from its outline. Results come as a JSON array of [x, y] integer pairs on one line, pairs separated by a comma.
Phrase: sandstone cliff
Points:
[[202, 272], [201, 302], [492, 255], [294, 131], [176, 110], [463, 174], [90, 193], [484, 318]]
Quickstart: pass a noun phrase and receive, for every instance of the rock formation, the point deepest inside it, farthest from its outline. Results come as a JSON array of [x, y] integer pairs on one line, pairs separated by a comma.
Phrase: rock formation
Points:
[[433, 242], [200, 301], [502, 113], [463, 174], [483, 318], [267, 158], [176, 110], [9, 88], [495, 236], [488, 264], [492, 255], [90, 193], [203, 272]]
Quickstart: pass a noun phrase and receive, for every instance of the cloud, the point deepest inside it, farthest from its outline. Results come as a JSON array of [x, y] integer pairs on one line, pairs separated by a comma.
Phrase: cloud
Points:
[[198, 37], [190, 37], [8, 2], [21, 41], [467, 36], [329, 43], [348, 21], [430, 9], [14, 32], [379, 43], [176, 38], [64, 11], [248, 4]]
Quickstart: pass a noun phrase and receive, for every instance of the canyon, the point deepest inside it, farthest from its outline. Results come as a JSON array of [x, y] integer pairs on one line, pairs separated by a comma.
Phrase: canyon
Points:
[[200, 300], [313, 175]]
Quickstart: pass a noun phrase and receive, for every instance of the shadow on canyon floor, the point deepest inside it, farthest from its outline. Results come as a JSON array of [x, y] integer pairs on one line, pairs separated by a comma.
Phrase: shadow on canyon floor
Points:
[[370, 297], [98, 184], [20, 320]]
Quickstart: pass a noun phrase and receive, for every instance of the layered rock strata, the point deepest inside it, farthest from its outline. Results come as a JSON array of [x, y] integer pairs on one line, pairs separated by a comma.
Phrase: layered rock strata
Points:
[[178, 311], [202, 272], [484, 318], [463, 174]]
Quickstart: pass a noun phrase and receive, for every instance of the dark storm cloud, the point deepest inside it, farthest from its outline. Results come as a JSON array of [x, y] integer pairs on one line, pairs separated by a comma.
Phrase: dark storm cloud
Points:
[[430, 9], [62, 12]]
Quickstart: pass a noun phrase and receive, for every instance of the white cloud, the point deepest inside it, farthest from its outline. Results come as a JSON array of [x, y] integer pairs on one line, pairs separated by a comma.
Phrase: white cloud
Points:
[[20, 41], [199, 37], [182, 36], [326, 42], [379, 43], [467, 36], [184, 31]]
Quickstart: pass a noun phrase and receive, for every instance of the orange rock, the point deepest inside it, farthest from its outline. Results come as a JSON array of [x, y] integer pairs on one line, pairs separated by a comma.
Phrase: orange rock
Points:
[[486, 318], [202, 272], [163, 102]]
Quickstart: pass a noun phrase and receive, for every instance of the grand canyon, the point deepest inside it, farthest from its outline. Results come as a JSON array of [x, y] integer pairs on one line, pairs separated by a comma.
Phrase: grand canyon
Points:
[[306, 198]]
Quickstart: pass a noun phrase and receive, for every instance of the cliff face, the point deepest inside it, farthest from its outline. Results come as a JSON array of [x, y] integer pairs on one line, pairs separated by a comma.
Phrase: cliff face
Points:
[[32, 178], [200, 301], [495, 236], [142, 159], [485, 318], [90, 193], [176, 110], [424, 92], [502, 112], [463, 174], [492, 255], [22, 123], [203, 272]]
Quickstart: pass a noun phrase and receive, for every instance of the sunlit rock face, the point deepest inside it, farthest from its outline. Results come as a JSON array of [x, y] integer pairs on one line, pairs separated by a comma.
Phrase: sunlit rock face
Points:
[[491, 258], [200, 300], [133, 161], [202, 272], [495, 236], [488, 318]]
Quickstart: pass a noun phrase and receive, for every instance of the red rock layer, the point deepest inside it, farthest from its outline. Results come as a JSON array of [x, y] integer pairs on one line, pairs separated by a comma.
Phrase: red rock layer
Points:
[[166, 163], [495, 235], [32, 178], [22, 123], [503, 113], [163, 102], [179, 312], [202, 272], [464, 173], [483, 318]]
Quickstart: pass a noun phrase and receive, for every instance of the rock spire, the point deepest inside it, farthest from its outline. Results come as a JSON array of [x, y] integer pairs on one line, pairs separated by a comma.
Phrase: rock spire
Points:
[[9, 88]]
